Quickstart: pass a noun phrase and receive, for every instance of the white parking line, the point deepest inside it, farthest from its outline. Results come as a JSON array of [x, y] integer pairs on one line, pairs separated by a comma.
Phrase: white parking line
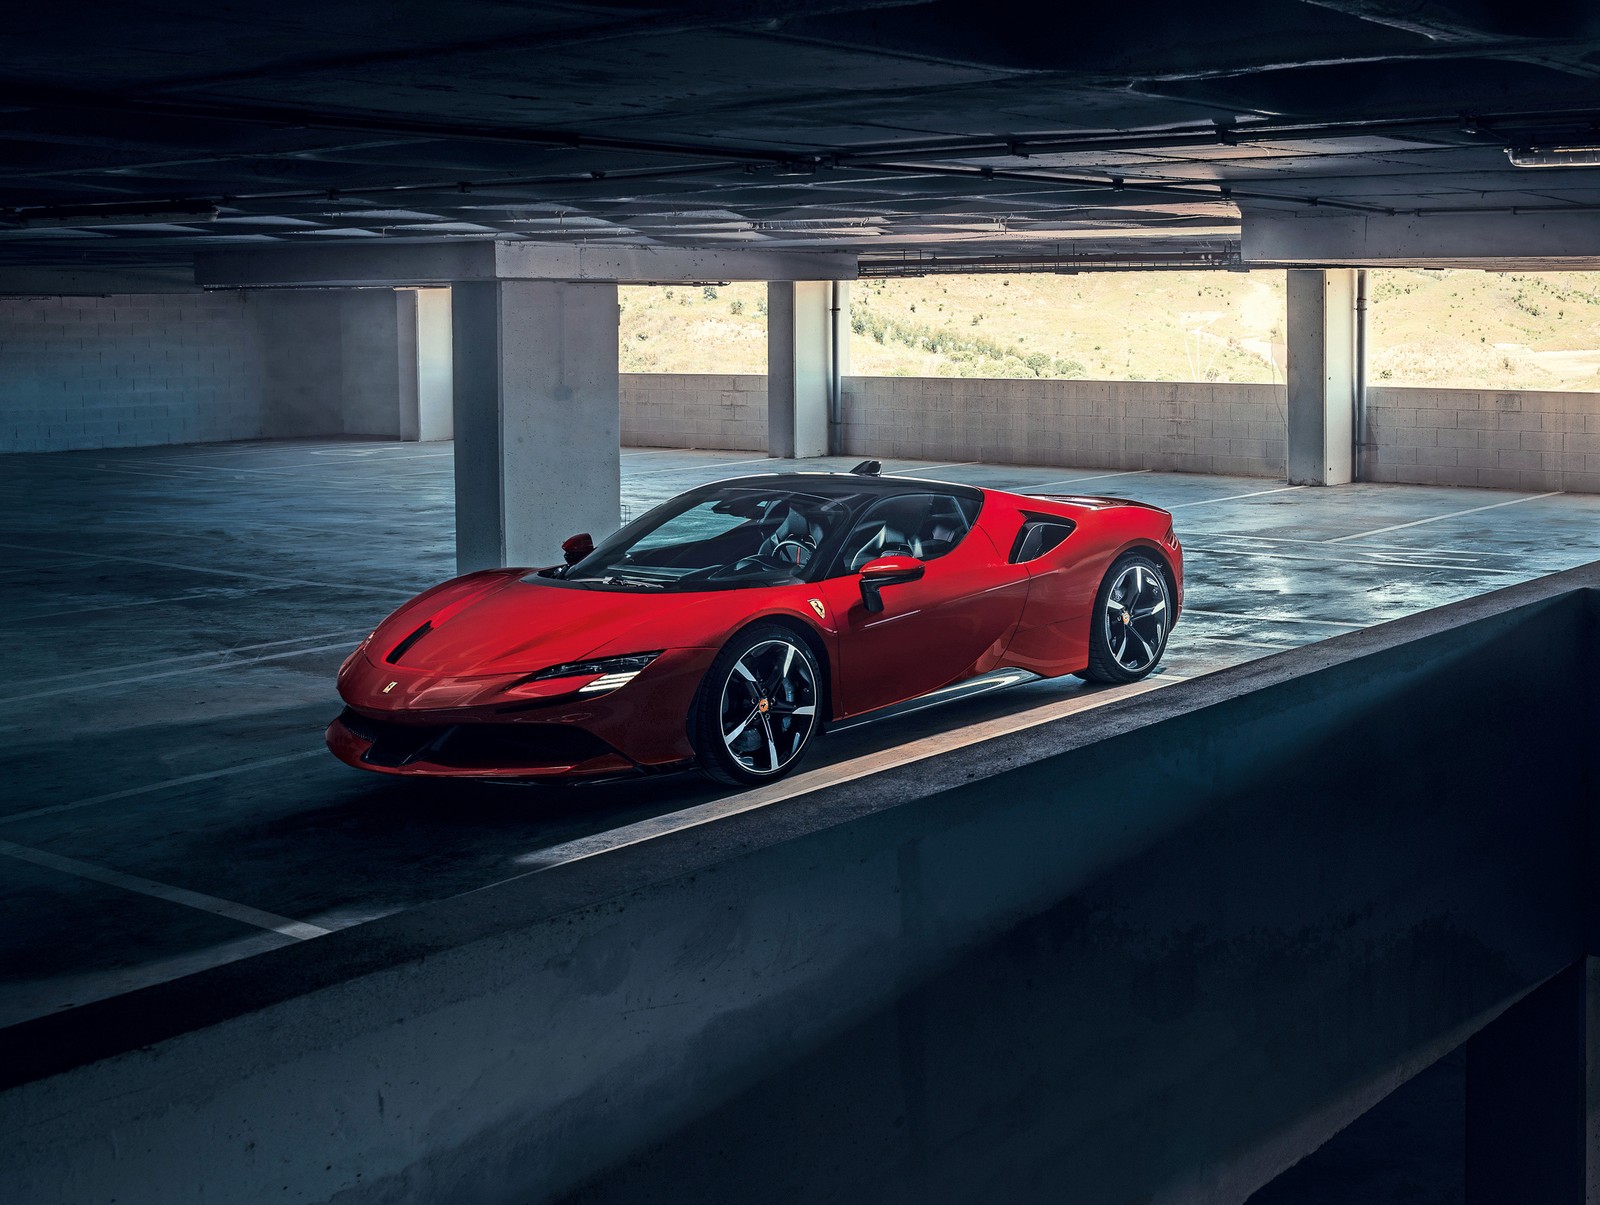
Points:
[[827, 776], [928, 468], [116, 683], [1455, 514], [163, 891], [141, 602], [1330, 623], [1376, 560], [1030, 487], [254, 577], [210, 655], [1282, 489], [247, 768], [1249, 644], [691, 468]]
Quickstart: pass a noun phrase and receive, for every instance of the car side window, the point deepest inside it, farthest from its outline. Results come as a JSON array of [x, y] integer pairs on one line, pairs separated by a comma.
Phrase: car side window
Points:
[[1039, 535], [926, 526]]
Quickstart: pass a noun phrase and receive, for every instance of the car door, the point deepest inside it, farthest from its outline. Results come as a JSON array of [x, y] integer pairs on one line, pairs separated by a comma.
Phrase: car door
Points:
[[952, 623]]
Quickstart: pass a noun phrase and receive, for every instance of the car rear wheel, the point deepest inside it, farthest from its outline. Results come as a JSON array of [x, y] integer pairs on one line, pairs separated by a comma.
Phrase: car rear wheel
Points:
[[1130, 622], [758, 706]]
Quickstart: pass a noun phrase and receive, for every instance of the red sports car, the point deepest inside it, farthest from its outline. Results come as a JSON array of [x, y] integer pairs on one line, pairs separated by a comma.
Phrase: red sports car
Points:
[[728, 627]]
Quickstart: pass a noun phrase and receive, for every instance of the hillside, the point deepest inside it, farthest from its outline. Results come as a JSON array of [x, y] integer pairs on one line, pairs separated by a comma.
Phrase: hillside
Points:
[[1442, 328]]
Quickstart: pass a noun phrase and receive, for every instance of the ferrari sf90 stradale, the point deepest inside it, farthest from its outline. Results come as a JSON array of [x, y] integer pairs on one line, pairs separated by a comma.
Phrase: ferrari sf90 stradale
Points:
[[728, 627]]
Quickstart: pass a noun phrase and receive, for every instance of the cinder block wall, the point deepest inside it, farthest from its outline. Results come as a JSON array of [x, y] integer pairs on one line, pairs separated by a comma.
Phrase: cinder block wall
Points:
[[1162, 425], [1505, 439], [1204, 428], [1498, 438], [102, 372], [694, 410]]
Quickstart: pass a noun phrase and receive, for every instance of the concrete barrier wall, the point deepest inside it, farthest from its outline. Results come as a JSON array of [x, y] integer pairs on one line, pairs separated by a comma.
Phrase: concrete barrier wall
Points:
[[683, 410], [1151, 952], [1502, 439], [1170, 427], [1507, 439]]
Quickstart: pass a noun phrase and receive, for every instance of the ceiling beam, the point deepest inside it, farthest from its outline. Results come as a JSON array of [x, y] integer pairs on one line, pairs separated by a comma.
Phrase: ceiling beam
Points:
[[445, 263], [1549, 236]]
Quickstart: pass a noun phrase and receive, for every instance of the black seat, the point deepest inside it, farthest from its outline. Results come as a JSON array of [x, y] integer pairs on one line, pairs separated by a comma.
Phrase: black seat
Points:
[[890, 530]]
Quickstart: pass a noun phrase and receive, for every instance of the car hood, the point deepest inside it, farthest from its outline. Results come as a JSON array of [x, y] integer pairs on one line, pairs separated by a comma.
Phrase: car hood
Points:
[[483, 624]]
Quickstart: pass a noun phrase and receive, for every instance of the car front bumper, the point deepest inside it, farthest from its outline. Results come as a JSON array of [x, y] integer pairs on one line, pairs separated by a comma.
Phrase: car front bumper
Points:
[[642, 726]]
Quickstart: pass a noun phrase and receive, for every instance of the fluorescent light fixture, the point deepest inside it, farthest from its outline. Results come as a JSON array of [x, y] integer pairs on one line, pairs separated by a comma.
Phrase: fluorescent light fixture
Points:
[[1553, 156], [48, 217]]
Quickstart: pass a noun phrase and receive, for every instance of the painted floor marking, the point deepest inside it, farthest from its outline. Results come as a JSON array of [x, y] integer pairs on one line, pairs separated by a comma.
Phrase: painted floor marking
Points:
[[1250, 644], [826, 776], [1446, 557], [313, 467], [141, 602], [1029, 487], [1331, 623], [1373, 559], [1282, 489], [919, 467], [117, 683], [163, 891], [213, 654], [1455, 514], [247, 768], [693, 468], [1443, 560], [255, 577]]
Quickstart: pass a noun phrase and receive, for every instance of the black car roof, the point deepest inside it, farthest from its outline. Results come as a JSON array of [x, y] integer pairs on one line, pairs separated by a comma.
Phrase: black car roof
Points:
[[843, 484]]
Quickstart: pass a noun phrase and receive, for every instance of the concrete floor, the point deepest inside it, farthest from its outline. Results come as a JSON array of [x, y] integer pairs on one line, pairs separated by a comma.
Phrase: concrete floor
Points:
[[175, 616]]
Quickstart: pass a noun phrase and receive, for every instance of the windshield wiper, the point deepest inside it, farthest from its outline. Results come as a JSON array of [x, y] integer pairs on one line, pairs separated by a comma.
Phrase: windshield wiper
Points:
[[633, 581]]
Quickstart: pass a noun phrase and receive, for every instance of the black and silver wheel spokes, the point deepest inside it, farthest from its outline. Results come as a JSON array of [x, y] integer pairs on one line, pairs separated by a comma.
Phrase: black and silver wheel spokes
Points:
[[1136, 617], [769, 706]]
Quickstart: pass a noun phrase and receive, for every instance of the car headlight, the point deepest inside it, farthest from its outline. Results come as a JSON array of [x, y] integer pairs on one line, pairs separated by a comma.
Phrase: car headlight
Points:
[[615, 672]]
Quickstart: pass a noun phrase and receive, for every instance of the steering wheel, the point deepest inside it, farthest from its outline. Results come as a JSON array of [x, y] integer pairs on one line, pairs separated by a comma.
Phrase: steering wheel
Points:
[[803, 547]]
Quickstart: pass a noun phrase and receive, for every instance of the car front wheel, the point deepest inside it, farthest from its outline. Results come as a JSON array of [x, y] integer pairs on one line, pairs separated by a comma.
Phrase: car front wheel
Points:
[[758, 706]]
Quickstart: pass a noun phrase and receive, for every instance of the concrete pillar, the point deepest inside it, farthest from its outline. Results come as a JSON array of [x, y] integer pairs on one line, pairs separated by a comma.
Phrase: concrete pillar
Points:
[[425, 359], [1527, 1095], [804, 329], [1322, 376], [537, 418]]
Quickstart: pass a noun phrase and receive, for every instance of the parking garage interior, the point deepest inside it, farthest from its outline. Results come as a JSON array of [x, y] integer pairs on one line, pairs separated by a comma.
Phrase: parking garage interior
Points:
[[305, 311]]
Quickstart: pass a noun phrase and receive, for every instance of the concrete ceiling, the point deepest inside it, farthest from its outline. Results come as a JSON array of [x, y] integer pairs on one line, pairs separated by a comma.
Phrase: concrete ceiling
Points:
[[133, 135]]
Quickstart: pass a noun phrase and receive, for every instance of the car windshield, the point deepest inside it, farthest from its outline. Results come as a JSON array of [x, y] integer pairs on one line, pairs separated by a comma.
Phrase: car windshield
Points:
[[719, 538]]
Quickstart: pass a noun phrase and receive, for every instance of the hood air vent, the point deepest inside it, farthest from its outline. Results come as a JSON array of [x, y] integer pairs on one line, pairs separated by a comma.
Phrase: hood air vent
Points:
[[401, 648]]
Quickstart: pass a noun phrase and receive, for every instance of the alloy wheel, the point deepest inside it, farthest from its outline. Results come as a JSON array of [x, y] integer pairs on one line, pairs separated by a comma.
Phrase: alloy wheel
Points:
[[769, 706], [1136, 617]]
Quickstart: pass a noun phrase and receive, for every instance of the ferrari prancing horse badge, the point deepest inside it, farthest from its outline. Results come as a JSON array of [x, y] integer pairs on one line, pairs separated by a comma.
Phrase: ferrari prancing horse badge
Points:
[[822, 611]]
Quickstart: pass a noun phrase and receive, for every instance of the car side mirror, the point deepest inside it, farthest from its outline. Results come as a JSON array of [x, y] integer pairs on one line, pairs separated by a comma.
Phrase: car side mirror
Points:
[[575, 548], [887, 571]]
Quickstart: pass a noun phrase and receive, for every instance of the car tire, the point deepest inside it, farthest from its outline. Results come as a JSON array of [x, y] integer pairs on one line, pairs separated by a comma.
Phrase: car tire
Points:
[[1131, 620], [758, 707]]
